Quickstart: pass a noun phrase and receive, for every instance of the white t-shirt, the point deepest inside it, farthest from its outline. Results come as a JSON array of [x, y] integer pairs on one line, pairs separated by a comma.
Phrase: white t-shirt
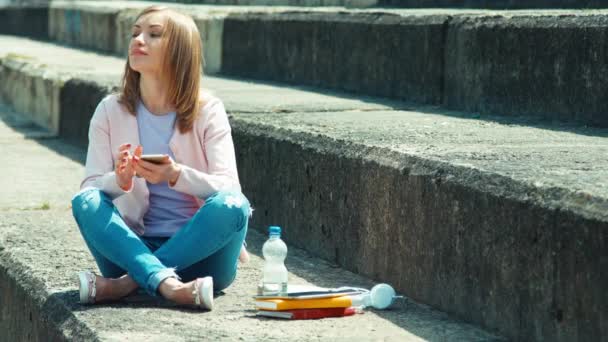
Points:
[[169, 209]]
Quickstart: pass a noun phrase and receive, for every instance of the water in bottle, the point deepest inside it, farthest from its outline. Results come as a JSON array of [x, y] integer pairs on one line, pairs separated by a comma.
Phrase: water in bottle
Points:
[[274, 274]]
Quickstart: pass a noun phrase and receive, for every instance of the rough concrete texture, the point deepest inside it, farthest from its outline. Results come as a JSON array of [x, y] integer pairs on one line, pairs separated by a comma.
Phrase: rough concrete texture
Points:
[[557, 165], [106, 25], [386, 55], [547, 65], [495, 4], [80, 87], [79, 98], [30, 87], [89, 29], [41, 251], [301, 3], [12, 19], [70, 22], [502, 222]]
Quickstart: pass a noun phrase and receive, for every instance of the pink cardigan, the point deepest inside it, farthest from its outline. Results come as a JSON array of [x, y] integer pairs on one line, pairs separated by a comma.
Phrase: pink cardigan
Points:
[[205, 154]]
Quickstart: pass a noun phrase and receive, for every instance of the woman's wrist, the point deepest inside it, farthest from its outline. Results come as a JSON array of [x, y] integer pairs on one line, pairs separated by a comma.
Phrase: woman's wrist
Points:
[[124, 184], [175, 174]]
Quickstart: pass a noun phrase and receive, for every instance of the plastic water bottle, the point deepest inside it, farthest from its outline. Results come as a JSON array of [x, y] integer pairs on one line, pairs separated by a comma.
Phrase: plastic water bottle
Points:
[[274, 277]]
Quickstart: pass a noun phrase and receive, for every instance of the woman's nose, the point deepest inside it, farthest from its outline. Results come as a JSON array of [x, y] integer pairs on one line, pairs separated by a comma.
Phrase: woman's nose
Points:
[[139, 39]]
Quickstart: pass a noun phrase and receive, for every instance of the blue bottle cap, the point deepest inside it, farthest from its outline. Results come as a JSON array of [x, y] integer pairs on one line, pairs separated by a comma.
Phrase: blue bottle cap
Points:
[[274, 230]]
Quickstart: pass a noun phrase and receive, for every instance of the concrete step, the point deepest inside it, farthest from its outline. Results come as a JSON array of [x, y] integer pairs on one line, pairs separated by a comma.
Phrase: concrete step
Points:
[[514, 63], [41, 251], [495, 4], [499, 222], [492, 4]]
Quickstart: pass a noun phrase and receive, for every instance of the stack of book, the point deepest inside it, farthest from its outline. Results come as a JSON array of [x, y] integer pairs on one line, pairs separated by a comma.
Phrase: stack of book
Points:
[[305, 302]]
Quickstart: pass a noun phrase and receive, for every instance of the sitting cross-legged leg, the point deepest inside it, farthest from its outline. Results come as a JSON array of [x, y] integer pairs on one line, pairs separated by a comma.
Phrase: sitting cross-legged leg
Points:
[[209, 244], [115, 246]]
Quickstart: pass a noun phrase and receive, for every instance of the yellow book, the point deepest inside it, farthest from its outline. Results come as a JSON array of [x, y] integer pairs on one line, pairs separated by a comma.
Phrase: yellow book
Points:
[[316, 303]]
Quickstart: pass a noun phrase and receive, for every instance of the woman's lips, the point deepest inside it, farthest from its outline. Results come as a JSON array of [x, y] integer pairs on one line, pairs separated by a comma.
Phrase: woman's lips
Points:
[[138, 53]]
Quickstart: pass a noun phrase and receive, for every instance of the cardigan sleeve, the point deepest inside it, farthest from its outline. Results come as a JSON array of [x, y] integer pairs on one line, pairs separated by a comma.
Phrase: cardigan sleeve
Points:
[[99, 167], [218, 149]]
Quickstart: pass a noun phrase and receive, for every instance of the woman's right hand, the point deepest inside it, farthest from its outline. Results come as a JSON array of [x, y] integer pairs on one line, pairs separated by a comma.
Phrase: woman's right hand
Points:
[[124, 166]]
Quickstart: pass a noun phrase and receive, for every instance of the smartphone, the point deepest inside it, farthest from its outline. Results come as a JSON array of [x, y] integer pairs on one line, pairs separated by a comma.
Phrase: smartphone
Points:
[[154, 158]]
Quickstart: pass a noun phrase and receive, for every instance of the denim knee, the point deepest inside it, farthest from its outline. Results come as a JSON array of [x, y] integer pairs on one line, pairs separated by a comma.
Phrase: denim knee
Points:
[[86, 202], [231, 202]]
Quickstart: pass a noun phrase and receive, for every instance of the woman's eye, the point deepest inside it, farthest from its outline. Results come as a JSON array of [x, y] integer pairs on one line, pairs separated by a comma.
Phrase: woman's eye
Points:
[[152, 34]]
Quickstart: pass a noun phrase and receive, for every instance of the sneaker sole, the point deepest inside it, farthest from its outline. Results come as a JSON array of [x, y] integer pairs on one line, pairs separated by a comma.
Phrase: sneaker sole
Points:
[[206, 293], [83, 286]]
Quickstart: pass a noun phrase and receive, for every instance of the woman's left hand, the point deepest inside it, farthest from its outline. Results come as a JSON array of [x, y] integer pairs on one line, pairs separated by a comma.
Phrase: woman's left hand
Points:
[[166, 171]]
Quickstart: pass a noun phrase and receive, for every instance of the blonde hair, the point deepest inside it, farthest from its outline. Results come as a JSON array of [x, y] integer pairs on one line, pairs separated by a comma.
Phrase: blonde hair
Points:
[[181, 68]]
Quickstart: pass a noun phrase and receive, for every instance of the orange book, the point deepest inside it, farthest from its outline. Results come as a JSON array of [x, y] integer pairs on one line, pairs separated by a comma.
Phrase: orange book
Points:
[[308, 313], [316, 303]]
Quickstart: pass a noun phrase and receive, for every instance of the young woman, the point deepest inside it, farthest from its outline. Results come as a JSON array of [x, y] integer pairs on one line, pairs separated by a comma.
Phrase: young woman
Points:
[[175, 226]]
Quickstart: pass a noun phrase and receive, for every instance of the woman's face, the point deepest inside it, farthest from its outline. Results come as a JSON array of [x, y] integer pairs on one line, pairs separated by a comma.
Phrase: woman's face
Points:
[[145, 48]]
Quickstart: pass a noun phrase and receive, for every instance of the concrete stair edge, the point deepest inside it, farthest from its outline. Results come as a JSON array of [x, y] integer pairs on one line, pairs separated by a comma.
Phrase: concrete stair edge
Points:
[[42, 315], [66, 94]]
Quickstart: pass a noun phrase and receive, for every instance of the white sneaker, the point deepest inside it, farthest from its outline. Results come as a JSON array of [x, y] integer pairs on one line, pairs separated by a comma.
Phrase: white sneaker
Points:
[[87, 287], [203, 293]]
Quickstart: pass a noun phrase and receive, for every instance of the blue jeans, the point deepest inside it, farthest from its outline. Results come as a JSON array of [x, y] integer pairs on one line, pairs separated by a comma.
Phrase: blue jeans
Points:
[[208, 245]]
